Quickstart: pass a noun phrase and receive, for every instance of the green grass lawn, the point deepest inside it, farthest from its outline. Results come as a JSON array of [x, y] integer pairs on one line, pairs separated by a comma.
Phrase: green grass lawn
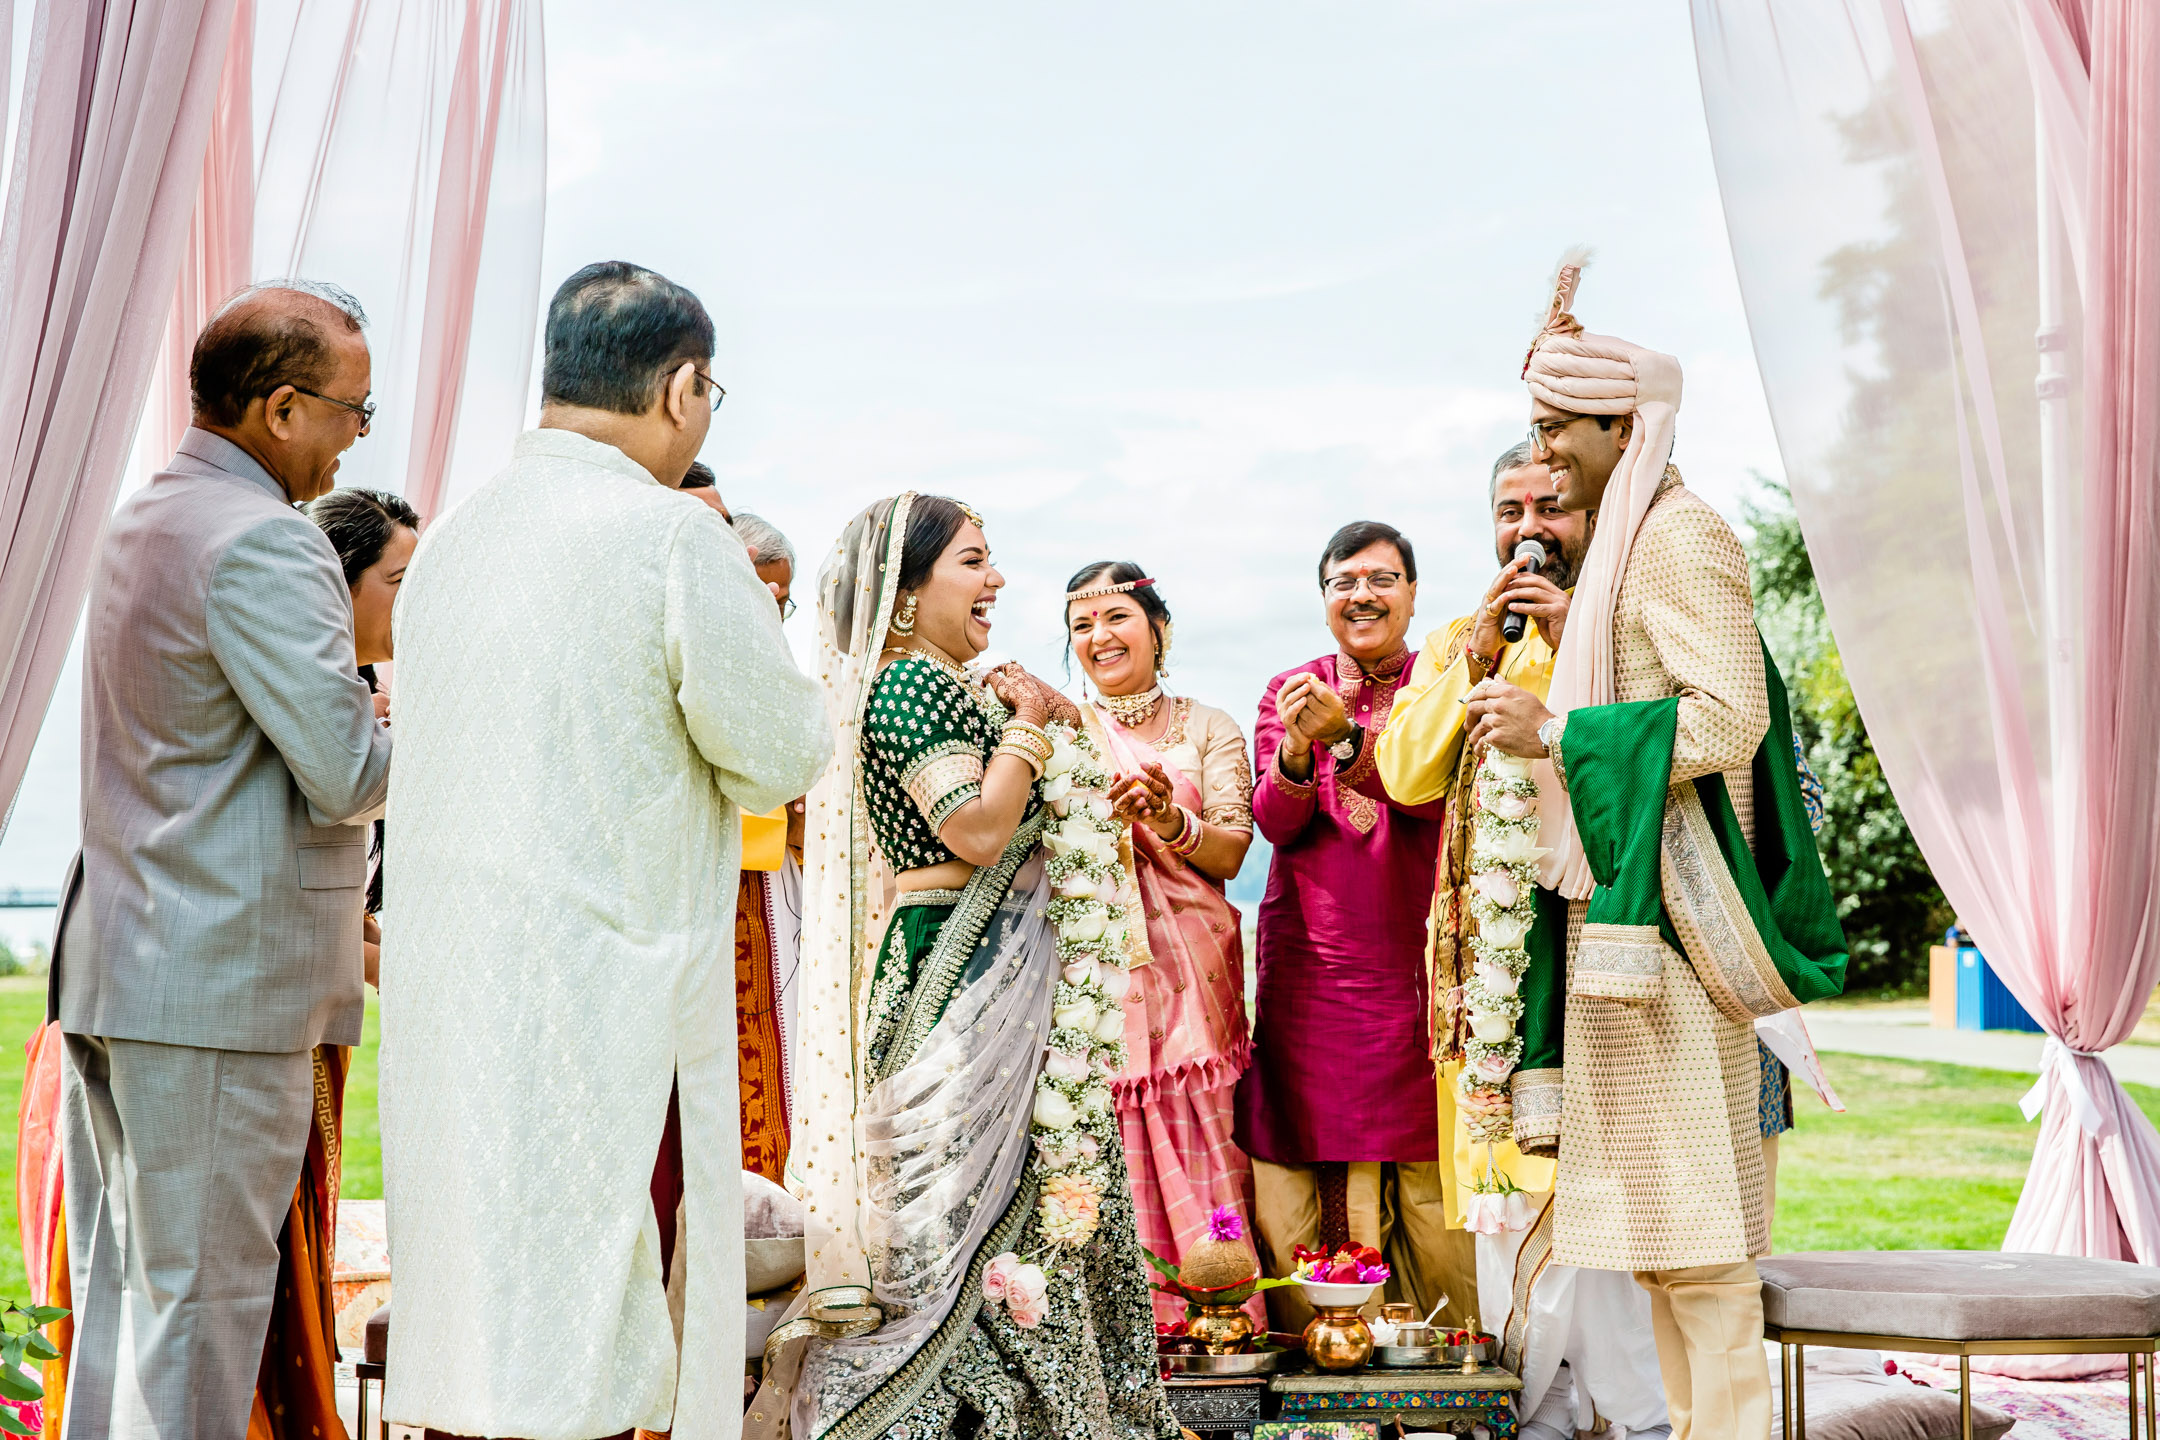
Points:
[[1926, 1157]]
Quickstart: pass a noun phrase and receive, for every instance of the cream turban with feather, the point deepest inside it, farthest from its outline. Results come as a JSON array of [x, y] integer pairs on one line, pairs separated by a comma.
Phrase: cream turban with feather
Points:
[[1570, 369]]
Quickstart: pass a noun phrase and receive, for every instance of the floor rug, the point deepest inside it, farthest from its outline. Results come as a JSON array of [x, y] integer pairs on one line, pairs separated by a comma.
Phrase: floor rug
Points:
[[2045, 1409]]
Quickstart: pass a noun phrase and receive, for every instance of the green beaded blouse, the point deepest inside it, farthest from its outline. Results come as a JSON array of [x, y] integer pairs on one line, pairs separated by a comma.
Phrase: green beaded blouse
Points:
[[926, 740]]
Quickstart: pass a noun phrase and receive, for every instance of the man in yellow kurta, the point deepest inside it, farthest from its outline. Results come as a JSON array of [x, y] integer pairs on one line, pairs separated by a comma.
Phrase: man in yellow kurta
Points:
[[1420, 755], [1579, 1338]]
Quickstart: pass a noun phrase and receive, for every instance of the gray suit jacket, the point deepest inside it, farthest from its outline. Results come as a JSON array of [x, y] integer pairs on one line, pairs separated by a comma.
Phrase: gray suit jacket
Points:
[[230, 762]]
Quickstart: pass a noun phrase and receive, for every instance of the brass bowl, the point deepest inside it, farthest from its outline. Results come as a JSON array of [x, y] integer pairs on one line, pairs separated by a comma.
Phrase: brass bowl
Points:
[[1408, 1356], [1252, 1362], [1338, 1338]]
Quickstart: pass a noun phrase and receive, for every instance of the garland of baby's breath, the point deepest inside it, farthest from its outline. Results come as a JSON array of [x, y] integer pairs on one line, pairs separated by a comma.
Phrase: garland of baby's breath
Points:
[[1503, 866], [1074, 1122]]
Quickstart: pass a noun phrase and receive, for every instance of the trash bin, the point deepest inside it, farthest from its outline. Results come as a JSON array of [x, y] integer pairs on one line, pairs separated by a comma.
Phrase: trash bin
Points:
[[1983, 1001]]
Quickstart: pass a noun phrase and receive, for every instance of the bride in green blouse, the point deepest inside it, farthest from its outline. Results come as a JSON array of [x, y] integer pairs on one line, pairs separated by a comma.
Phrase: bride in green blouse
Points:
[[929, 970]]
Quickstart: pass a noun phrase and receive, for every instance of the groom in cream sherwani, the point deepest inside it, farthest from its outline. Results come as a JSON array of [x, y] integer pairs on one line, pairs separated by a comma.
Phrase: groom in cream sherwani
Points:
[[591, 679]]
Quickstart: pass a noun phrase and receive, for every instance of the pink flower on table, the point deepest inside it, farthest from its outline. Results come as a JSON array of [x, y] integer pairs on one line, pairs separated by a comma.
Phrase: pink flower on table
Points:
[[1497, 886], [997, 1276]]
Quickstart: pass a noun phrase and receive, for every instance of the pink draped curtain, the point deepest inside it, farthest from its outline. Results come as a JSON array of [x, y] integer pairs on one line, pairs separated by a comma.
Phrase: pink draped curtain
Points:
[[116, 109], [1944, 218], [399, 151], [215, 263], [169, 151]]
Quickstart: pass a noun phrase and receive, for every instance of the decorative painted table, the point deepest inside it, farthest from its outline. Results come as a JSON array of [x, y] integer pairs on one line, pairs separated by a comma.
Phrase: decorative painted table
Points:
[[1445, 1400], [1217, 1407]]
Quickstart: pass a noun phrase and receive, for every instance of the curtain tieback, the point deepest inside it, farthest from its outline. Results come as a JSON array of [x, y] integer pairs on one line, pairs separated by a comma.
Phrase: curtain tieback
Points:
[[2060, 1060]]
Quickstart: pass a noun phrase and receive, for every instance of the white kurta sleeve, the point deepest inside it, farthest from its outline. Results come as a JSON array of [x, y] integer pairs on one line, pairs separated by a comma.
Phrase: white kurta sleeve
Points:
[[757, 720]]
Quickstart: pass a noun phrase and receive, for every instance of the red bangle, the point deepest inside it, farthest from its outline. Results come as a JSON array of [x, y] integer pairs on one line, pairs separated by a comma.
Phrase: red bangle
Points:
[[1187, 839]]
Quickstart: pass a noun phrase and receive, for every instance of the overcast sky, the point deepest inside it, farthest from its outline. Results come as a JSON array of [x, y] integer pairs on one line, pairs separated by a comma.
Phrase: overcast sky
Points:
[[1184, 283]]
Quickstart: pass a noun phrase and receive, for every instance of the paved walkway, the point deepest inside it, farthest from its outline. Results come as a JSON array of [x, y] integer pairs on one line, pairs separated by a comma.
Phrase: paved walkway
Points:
[[1902, 1032]]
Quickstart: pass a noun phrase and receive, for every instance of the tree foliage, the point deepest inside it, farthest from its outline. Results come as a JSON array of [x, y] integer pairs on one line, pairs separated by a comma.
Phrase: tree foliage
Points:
[[1886, 895]]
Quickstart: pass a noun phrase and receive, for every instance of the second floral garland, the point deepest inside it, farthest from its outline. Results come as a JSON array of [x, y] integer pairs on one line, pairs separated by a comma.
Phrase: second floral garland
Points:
[[1504, 856]]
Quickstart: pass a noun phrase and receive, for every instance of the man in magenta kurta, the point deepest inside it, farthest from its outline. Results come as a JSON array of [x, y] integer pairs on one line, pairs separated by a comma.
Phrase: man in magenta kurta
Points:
[[1337, 1107]]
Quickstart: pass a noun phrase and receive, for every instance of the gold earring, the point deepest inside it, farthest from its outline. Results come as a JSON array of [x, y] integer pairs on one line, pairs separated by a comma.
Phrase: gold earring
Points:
[[903, 620]]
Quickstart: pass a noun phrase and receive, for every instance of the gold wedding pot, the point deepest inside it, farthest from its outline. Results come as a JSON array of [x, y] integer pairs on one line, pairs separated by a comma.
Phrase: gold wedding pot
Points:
[[1338, 1338], [1223, 1329]]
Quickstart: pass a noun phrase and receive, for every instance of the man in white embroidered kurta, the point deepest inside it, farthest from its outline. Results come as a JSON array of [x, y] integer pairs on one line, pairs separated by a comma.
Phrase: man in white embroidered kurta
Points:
[[590, 678]]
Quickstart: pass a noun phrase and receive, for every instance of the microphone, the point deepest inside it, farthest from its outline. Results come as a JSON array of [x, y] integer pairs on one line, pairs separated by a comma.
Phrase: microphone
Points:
[[1513, 624]]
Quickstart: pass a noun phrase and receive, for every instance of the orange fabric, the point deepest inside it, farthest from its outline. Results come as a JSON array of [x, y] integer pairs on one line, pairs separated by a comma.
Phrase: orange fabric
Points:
[[760, 1065], [60, 1291], [296, 1396], [39, 1209]]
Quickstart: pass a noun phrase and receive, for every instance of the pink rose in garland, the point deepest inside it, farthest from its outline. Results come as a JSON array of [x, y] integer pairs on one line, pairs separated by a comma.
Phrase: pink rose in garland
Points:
[[1497, 886]]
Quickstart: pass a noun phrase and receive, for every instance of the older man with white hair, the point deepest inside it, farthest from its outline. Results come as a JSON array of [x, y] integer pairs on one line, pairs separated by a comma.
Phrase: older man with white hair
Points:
[[1671, 814]]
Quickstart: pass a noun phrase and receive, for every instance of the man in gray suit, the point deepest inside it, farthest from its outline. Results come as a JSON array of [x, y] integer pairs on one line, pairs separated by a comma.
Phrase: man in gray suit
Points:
[[231, 757]]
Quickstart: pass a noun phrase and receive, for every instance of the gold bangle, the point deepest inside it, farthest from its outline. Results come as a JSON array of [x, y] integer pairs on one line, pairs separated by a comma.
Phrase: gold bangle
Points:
[[1021, 732], [1026, 741], [1025, 757]]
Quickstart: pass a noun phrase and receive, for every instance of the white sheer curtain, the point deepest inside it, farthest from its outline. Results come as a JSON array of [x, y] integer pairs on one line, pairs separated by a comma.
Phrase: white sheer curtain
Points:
[[1943, 217], [399, 151]]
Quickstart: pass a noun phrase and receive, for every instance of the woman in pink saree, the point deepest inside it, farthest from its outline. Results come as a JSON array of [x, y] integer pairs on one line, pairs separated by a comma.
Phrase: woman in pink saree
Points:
[[1185, 781]]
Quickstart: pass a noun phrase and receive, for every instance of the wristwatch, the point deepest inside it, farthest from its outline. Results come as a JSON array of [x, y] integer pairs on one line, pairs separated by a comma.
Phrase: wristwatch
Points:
[[1345, 750]]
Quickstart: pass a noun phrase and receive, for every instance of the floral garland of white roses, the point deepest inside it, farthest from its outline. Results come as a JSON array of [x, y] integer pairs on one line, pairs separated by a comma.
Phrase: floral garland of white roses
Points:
[[1504, 856], [1074, 1122]]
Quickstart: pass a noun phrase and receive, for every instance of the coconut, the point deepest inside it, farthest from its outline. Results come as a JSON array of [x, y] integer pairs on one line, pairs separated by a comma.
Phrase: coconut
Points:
[[1222, 1269]]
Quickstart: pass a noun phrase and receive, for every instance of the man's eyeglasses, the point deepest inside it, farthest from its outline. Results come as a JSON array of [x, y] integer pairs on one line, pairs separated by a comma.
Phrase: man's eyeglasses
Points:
[[365, 409], [787, 610], [713, 385], [1380, 582], [1543, 431]]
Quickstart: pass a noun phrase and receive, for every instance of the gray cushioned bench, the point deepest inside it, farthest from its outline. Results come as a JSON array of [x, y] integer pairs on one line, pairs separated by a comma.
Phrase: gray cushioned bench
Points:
[[1962, 1303]]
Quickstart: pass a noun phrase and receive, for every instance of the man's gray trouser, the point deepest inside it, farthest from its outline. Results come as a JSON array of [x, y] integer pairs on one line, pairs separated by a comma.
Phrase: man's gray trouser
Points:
[[180, 1165]]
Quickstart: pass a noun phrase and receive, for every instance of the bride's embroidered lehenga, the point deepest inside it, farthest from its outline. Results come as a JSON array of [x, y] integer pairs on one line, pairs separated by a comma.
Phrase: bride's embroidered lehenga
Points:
[[923, 1034]]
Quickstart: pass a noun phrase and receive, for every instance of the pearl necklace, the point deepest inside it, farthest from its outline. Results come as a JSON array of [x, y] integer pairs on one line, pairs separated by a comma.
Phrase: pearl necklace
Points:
[[1133, 710]]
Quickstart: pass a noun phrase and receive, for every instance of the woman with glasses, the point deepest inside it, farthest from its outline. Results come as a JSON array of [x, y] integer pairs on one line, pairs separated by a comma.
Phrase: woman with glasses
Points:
[[1337, 1108], [1185, 785]]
